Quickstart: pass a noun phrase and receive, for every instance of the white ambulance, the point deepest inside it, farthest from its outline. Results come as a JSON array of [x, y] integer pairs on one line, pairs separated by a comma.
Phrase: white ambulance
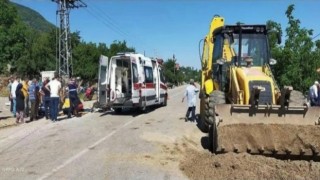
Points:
[[130, 80]]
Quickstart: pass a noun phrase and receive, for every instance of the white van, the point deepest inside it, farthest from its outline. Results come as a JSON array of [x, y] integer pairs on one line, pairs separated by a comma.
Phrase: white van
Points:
[[130, 80]]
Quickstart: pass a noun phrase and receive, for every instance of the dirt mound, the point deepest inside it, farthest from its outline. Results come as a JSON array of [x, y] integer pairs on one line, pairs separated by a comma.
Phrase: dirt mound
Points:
[[269, 137], [297, 98], [203, 165]]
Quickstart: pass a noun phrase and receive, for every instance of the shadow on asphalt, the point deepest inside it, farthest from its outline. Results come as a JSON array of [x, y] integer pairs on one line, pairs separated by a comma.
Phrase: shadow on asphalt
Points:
[[5, 117], [205, 142], [129, 112], [87, 110]]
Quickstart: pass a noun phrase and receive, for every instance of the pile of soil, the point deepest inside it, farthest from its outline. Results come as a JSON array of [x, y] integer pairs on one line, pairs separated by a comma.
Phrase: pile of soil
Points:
[[280, 137], [297, 98], [203, 165]]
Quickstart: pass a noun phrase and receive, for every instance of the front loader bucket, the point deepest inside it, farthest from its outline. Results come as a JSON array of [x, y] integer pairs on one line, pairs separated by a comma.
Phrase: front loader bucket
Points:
[[272, 131]]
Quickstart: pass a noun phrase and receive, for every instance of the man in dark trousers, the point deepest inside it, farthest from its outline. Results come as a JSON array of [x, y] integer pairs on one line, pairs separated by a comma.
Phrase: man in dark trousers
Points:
[[32, 91], [54, 87], [45, 98], [191, 94], [73, 96]]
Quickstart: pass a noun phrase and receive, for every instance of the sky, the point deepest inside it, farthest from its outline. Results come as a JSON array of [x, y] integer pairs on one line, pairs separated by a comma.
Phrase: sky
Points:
[[161, 28]]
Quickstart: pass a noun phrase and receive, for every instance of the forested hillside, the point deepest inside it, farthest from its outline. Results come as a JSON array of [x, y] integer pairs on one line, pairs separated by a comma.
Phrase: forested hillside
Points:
[[33, 19]]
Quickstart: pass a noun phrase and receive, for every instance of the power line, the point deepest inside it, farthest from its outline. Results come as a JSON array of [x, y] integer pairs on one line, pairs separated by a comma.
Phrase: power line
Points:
[[106, 17], [113, 28], [316, 36], [105, 23], [112, 24], [108, 24]]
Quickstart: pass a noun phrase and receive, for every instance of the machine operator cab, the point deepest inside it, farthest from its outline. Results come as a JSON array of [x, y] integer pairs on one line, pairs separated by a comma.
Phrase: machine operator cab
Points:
[[245, 41], [242, 46]]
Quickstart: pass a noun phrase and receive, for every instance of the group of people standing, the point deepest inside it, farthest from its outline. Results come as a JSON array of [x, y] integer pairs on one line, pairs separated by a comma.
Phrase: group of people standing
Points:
[[27, 96]]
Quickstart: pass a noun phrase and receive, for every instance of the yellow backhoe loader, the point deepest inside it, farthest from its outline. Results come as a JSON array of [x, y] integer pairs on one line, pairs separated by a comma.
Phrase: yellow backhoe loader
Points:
[[242, 106]]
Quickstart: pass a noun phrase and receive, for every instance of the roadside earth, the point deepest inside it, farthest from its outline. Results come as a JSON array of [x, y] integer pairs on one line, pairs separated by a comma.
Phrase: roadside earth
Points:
[[6, 117], [204, 165]]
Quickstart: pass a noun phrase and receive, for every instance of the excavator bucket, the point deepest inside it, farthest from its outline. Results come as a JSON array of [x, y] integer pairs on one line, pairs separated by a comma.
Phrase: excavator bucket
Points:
[[271, 131]]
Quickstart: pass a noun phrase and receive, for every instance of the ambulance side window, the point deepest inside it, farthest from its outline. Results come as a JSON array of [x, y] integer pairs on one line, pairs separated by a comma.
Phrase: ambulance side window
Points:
[[135, 73], [148, 74], [162, 78]]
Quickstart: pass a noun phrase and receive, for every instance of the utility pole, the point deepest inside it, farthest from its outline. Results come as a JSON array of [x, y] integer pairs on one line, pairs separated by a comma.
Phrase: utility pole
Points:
[[65, 66], [174, 68]]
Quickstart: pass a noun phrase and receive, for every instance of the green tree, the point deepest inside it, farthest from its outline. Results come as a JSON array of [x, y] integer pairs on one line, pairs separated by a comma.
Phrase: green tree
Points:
[[39, 55], [12, 36], [183, 74], [190, 73], [86, 57], [85, 61], [103, 48], [297, 60], [118, 46], [169, 71]]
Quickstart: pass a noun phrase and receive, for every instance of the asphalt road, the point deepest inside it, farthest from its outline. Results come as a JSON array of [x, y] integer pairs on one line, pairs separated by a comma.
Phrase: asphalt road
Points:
[[101, 145]]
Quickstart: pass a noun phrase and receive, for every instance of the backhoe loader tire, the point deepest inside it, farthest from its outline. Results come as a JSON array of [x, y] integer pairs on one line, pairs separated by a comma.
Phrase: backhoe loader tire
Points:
[[202, 125], [211, 112], [213, 138], [216, 97]]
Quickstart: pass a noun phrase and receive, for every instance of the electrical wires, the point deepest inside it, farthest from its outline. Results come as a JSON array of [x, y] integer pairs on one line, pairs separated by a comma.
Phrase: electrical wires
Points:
[[106, 20], [315, 36], [103, 17]]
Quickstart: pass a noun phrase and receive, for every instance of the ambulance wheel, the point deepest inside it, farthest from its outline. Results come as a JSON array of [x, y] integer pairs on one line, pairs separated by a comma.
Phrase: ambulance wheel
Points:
[[117, 110], [165, 101], [143, 109]]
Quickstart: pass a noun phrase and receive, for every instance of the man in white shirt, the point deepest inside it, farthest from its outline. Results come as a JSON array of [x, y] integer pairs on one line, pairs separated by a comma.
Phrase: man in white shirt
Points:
[[191, 94], [54, 87], [313, 93], [13, 94]]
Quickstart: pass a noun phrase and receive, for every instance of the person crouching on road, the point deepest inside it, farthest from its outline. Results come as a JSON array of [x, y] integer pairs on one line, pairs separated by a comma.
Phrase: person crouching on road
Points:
[[54, 86], [66, 108], [191, 94], [19, 104]]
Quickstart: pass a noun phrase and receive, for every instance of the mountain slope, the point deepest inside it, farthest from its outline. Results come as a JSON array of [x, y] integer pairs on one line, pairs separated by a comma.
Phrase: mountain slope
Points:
[[33, 18]]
